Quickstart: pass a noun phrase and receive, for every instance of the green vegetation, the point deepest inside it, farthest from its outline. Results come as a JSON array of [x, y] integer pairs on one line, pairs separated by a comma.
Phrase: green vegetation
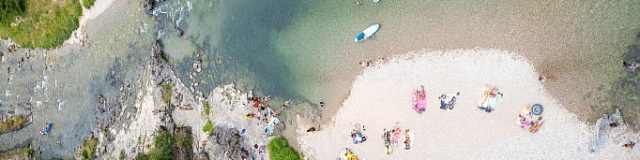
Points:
[[88, 3], [89, 148], [184, 139], [18, 153], [279, 149], [167, 90], [161, 148], [12, 123], [183, 148], [208, 127], [39, 23], [9, 9], [122, 155], [207, 108]]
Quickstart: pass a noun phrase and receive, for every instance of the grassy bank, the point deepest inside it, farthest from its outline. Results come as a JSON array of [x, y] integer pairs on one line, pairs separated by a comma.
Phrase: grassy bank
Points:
[[279, 149], [13, 123], [18, 153], [39, 23]]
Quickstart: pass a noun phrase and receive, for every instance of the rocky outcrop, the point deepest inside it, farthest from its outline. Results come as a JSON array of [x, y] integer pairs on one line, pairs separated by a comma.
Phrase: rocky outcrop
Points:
[[228, 144], [610, 129], [149, 5], [160, 69]]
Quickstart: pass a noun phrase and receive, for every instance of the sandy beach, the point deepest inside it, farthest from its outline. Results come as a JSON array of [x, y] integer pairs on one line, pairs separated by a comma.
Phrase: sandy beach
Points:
[[87, 15], [381, 97]]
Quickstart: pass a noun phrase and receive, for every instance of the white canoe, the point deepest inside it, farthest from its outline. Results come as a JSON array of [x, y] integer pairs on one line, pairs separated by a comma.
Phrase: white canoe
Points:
[[368, 32]]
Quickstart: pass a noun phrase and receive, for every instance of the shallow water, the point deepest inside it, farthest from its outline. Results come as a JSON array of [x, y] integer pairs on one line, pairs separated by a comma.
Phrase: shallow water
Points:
[[305, 49], [75, 77]]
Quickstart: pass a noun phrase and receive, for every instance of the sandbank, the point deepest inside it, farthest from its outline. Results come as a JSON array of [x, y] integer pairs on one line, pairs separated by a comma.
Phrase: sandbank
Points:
[[381, 97]]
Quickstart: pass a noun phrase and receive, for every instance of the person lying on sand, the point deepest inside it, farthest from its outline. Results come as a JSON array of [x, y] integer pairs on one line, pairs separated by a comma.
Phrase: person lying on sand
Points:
[[629, 145], [312, 129], [489, 99], [523, 122], [250, 116], [420, 100], [448, 101], [256, 102], [185, 107], [357, 134], [536, 125], [349, 155], [358, 137]]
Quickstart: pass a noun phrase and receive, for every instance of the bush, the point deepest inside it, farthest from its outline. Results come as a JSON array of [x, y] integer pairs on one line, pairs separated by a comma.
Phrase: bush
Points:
[[88, 3], [208, 127], [167, 90], [9, 9], [89, 148], [279, 149], [12, 124], [161, 148], [184, 140], [207, 108], [18, 153]]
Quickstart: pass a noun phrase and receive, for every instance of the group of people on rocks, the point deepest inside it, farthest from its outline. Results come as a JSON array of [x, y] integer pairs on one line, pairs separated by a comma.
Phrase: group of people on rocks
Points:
[[263, 113]]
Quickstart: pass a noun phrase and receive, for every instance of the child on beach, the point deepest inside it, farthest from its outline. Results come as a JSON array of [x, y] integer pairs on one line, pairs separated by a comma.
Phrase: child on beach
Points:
[[408, 136], [397, 133]]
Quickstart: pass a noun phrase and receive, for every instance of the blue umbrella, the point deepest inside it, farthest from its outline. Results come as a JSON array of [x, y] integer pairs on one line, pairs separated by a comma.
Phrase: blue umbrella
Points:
[[537, 109]]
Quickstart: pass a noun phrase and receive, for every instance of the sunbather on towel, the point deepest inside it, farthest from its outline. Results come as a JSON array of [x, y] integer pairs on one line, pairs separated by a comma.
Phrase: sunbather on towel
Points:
[[448, 101], [536, 125]]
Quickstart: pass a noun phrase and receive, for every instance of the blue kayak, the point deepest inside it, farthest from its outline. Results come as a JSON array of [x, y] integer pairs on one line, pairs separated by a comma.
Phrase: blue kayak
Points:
[[46, 129]]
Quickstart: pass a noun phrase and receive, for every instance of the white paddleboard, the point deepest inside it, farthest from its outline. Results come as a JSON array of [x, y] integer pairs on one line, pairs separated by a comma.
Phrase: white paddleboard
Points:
[[368, 32]]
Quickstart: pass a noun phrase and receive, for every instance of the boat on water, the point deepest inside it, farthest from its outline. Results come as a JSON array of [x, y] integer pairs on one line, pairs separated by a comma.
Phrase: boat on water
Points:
[[366, 33], [46, 129]]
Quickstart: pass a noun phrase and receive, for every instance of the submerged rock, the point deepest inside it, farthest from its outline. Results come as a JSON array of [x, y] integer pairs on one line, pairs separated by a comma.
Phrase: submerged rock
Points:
[[631, 59], [609, 129]]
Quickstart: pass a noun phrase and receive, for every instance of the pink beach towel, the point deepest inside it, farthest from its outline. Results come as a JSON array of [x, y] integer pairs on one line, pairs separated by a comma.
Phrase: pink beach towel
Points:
[[421, 104]]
